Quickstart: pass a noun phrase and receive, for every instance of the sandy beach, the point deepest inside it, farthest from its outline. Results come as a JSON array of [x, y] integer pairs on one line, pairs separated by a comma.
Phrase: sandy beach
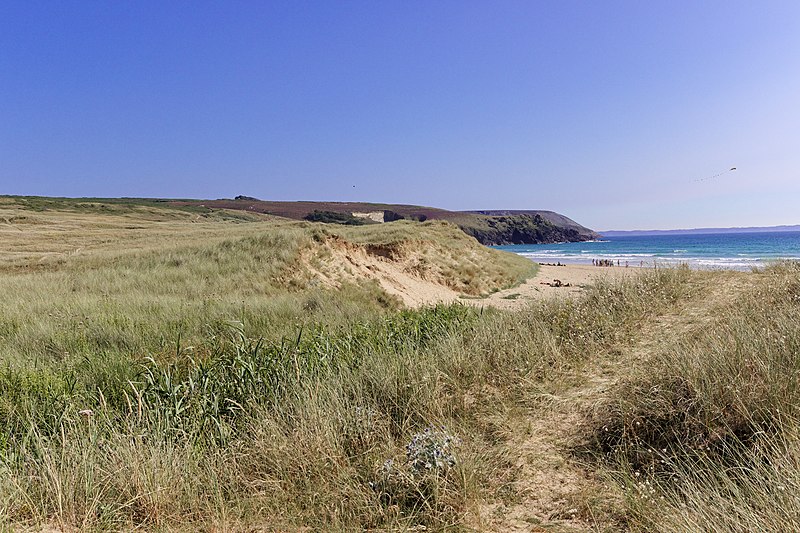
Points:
[[551, 281]]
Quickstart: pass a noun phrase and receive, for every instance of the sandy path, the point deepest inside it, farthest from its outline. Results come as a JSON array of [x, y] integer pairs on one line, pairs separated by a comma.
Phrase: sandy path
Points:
[[543, 285], [556, 492]]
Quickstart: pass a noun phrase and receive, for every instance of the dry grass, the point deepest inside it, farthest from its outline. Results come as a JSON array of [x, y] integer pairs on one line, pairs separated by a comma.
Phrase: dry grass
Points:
[[704, 434], [143, 316], [132, 280], [191, 374]]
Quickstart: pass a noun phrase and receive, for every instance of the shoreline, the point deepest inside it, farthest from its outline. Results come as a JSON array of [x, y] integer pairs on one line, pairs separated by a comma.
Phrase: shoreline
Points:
[[736, 264]]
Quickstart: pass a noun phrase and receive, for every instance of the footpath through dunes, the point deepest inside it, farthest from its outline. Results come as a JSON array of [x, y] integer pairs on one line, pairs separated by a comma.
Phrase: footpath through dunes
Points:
[[554, 489]]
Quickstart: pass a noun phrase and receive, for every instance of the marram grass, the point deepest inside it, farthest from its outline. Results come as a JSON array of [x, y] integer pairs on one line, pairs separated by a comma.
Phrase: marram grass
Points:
[[201, 380], [296, 431], [705, 435]]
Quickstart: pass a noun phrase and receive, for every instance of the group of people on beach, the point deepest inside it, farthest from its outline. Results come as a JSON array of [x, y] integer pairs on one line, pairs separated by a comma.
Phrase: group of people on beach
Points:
[[607, 263]]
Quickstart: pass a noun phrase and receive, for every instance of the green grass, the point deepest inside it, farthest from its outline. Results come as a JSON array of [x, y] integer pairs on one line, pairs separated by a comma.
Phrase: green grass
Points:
[[113, 303], [125, 206], [183, 352]]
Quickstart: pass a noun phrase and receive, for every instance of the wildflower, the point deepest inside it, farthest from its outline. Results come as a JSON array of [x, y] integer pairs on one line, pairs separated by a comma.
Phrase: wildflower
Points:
[[432, 450]]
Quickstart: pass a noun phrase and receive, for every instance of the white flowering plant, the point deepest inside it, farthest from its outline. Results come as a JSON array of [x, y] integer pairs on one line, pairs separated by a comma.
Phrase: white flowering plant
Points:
[[432, 450], [421, 477]]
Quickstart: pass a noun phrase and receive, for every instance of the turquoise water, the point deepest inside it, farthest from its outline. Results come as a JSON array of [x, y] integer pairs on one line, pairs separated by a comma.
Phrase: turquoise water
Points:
[[739, 251]]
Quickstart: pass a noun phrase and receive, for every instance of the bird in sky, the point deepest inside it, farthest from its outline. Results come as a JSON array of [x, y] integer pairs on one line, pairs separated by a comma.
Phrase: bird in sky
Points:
[[716, 175]]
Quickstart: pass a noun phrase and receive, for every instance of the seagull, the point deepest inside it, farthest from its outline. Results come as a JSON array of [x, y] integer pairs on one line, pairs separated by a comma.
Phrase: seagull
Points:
[[715, 175]]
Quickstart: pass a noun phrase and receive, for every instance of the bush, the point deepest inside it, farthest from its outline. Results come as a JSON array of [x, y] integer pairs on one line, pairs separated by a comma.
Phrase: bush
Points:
[[332, 217]]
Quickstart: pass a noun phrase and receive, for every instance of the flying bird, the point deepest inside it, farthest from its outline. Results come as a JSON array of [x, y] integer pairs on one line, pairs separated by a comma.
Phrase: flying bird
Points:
[[715, 175]]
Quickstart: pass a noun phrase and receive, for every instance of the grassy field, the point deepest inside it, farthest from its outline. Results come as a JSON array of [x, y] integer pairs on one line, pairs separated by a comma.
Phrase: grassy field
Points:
[[171, 370]]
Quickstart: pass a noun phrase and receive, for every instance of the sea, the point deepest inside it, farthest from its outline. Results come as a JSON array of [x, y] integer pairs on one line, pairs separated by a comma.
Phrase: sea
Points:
[[731, 251]]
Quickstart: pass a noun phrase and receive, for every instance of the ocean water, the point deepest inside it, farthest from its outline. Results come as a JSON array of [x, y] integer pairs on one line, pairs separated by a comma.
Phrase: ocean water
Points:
[[737, 251]]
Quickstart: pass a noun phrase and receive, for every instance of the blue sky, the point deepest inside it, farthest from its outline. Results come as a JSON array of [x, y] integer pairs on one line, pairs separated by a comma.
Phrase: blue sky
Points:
[[605, 111]]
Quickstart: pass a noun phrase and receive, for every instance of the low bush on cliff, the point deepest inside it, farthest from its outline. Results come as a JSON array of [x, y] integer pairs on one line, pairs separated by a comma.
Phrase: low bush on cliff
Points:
[[333, 217]]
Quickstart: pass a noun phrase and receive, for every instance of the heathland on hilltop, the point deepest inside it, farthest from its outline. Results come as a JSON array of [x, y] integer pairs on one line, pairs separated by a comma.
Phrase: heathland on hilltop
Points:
[[179, 368]]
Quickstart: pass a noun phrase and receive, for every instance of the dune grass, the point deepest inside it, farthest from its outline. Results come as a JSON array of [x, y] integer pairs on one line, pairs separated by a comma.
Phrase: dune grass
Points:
[[200, 379], [310, 429], [208, 380], [705, 433], [132, 282]]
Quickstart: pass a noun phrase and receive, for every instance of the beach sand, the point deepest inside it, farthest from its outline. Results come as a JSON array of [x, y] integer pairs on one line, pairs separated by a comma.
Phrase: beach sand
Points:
[[543, 285]]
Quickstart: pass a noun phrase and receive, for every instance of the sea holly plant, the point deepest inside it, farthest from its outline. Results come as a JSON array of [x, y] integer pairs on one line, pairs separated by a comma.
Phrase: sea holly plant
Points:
[[432, 450], [422, 477]]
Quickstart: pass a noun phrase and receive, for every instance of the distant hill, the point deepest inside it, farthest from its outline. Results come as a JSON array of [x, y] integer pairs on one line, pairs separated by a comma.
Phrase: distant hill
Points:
[[699, 231], [491, 227]]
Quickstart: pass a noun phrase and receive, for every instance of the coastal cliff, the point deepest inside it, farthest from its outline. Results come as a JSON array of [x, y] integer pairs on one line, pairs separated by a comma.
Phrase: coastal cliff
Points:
[[489, 227], [495, 228]]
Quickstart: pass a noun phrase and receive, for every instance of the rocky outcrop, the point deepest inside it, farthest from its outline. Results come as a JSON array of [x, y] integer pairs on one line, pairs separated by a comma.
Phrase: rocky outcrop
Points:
[[375, 216], [570, 230], [522, 229]]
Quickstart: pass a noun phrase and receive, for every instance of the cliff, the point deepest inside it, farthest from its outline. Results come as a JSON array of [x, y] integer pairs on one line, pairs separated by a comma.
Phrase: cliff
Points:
[[524, 228], [490, 227]]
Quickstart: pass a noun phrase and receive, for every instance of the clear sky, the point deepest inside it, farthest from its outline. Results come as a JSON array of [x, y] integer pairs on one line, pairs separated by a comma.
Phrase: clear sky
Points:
[[606, 111]]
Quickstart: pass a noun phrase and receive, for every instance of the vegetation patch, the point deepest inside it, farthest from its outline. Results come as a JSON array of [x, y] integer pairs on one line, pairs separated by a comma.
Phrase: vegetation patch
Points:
[[702, 432], [375, 420], [332, 217]]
